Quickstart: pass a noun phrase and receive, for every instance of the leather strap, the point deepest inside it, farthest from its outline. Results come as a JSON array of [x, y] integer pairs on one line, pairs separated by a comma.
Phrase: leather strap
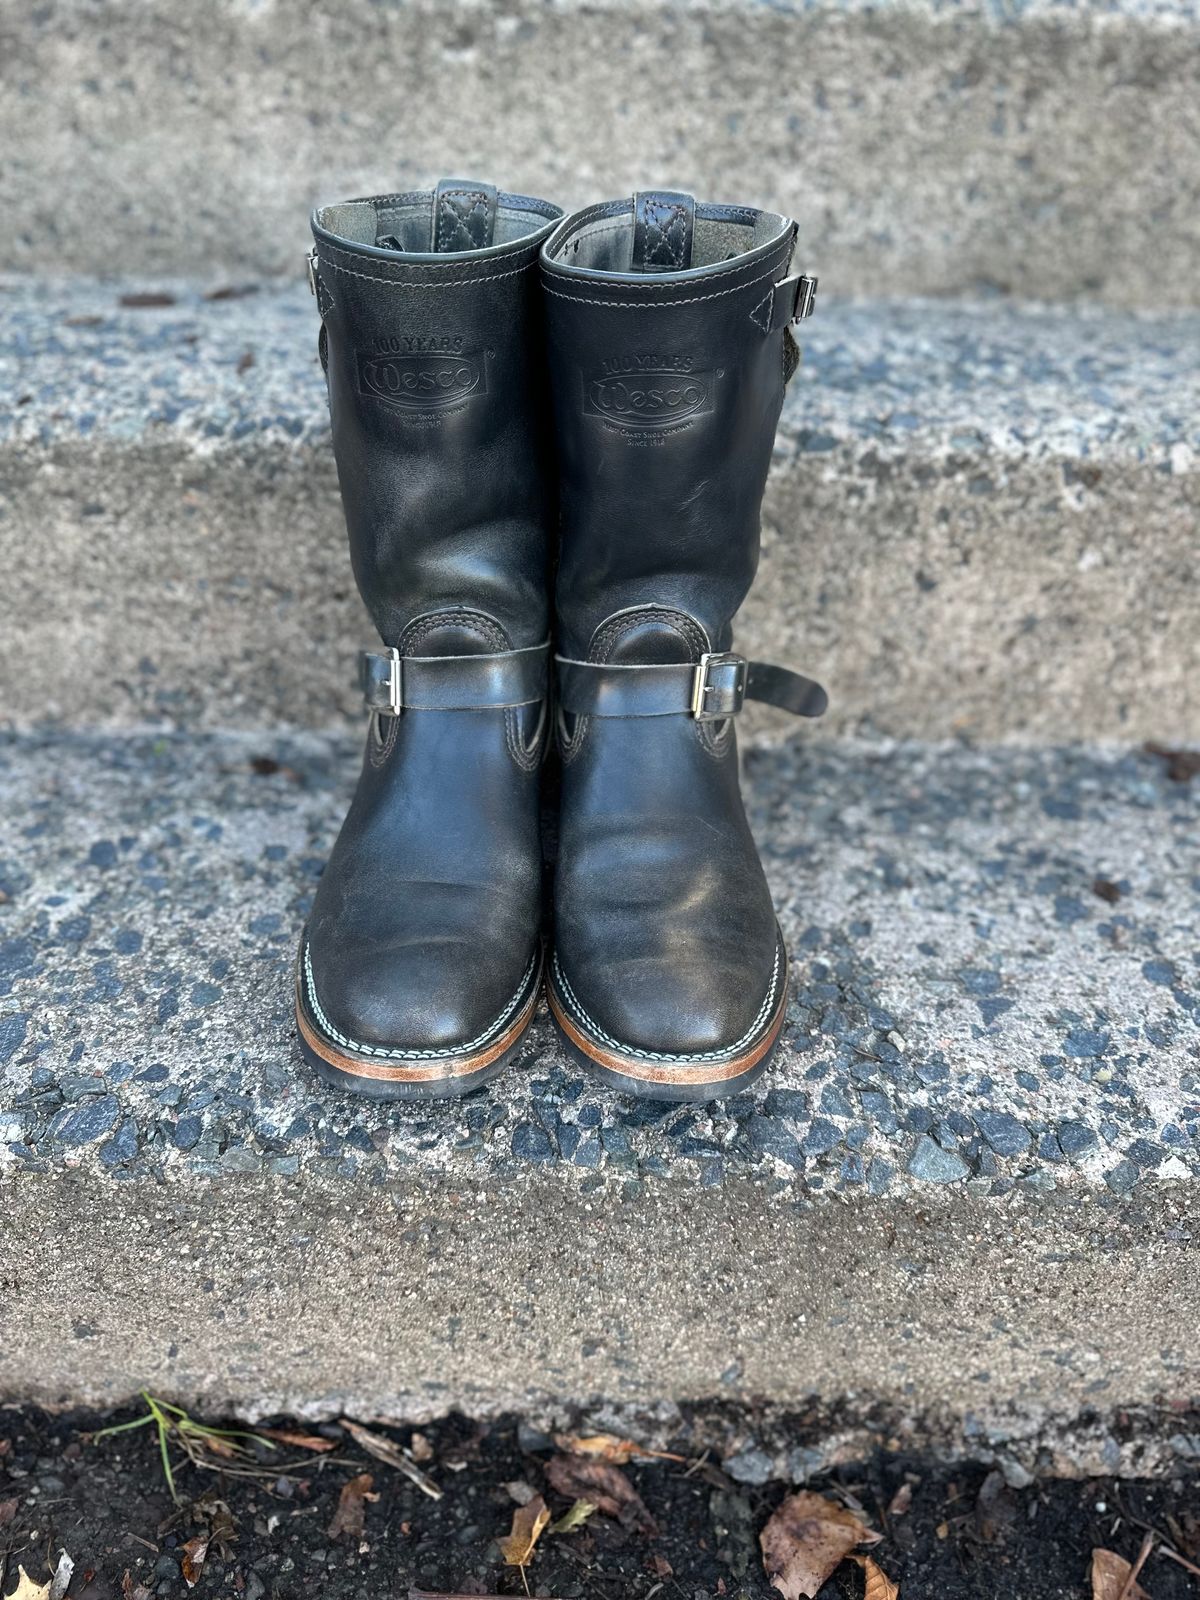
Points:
[[392, 683], [464, 215], [787, 302], [709, 690], [664, 221]]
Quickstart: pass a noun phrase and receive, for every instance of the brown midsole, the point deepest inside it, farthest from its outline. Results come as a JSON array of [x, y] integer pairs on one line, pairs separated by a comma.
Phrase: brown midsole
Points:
[[665, 1072], [417, 1071]]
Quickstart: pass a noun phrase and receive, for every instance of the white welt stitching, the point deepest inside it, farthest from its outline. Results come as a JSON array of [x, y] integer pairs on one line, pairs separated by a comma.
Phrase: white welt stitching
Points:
[[408, 1055], [656, 1055]]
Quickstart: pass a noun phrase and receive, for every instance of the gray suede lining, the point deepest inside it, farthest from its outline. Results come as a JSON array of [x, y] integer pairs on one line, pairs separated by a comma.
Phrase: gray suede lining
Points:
[[408, 218], [604, 243]]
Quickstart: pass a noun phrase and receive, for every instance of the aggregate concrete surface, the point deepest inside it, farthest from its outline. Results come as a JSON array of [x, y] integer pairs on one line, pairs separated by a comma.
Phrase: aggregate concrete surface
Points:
[[947, 528], [982, 1134], [936, 146]]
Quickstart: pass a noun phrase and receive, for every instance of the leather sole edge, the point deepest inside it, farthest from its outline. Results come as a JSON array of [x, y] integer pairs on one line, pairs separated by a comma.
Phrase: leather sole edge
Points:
[[447, 1078], [683, 1080]]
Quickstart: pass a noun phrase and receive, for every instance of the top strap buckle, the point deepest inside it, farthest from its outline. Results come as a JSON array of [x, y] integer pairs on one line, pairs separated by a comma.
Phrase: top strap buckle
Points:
[[719, 687], [800, 293]]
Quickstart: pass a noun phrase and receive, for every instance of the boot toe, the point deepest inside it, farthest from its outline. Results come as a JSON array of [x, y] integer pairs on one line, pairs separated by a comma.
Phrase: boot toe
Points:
[[699, 1021], [422, 1018]]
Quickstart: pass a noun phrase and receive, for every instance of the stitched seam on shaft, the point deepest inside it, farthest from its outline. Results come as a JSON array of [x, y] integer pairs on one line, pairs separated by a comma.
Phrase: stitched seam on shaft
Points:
[[651, 305], [589, 234], [380, 746], [459, 215], [656, 1055], [527, 757], [768, 271], [408, 1055], [527, 254], [404, 283], [723, 272]]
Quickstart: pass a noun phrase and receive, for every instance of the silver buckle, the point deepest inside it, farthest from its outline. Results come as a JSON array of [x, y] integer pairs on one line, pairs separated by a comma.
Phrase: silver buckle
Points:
[[310, 261], [719, 688], [395, 682], [806, 295]]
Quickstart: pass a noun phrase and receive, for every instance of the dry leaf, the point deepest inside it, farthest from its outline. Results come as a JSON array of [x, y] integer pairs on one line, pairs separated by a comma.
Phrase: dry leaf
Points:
[[607, 1487], [879, 1585], [28, 1590], [63, 1573], [574, 1518], [192, 1565], [1110, 1574], [805, 1540], [131, 1590], [392, 1455], [901, 1501], [607, 1447], [350, 1516], [995, 1507], [661, 1567], [299, 1441], [528, 1524], [227, 1449], [8, 1510], [420, 1448]]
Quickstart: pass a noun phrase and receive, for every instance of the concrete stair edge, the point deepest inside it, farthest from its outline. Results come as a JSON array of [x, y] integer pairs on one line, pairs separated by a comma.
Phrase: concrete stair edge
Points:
[[931, 147], [980, 519], [982, 1134]]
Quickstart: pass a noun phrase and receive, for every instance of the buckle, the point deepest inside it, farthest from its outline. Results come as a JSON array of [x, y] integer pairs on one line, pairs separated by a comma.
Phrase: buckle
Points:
[[805, 295], [719, 687], [381, 679], [310, 261], [395, 682]]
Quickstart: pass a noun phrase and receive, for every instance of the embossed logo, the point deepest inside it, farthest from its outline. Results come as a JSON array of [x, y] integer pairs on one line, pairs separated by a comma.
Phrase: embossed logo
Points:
[[648, 391], [424, 375]]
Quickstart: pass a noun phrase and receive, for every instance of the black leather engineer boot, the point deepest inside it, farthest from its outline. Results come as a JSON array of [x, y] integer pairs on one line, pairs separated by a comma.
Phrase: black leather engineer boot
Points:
[[421, 963], [670, 348]]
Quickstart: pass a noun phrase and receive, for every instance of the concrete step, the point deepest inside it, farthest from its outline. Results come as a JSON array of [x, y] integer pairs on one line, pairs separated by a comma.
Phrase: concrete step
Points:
[[981, 518], [966, 1193], [1045, 148]]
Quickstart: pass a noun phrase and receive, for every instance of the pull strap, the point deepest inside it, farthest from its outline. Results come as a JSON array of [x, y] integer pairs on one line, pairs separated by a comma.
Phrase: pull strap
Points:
[[392, 683], [664, 222], [464, 215], [709, 690]]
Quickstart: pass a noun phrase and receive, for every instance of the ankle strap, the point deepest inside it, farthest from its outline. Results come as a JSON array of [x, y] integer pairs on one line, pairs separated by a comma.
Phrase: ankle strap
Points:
[[709, 690], [392, 683]]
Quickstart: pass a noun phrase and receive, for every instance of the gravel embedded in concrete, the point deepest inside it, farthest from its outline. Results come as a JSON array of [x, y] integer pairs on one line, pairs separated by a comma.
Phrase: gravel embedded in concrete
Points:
[[965, 1005], [946, 540]]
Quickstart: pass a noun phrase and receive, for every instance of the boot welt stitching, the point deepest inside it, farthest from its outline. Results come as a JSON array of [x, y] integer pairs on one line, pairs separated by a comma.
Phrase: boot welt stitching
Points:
[[656, 1055], [409, 1055]]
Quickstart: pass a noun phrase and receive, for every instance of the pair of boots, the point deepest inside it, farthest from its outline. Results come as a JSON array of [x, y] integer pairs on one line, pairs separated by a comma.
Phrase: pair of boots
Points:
[[510, 389]]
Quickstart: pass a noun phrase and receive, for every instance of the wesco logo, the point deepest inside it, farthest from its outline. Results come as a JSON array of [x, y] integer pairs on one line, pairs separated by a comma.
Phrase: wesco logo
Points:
[[649, 399], [424, 382]]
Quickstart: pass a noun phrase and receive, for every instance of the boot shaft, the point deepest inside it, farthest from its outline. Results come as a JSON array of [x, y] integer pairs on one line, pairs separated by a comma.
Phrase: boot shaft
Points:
[[669, 356], [432, 339]]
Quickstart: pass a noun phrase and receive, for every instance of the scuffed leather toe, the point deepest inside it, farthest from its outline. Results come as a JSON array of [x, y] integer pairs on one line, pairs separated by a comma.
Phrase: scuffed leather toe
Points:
[[411, 1001]]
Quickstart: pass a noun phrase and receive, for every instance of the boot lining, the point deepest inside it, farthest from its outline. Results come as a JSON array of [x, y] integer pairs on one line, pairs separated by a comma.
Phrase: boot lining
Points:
[[408, 218], [605, 242]]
